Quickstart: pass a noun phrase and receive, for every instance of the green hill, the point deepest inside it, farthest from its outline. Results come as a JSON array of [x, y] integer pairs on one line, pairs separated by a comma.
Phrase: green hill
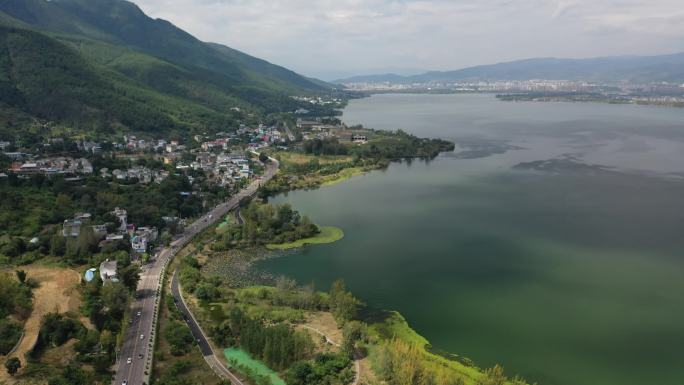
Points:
[[103, 65]]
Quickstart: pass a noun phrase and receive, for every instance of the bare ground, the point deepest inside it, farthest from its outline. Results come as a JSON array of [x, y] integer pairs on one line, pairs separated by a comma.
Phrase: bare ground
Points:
[[57, 293]]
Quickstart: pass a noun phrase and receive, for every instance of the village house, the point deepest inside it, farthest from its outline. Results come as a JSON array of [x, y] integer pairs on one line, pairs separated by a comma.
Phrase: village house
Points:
[[142, 238], [71, 228]]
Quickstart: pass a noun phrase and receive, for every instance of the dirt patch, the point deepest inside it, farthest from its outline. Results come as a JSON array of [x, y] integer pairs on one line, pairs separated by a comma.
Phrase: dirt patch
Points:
[[324, 323], [61, 355], [366, 374], [57, 292]]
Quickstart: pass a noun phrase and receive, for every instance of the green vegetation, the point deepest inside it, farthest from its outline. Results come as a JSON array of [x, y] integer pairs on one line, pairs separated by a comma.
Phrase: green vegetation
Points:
[[277, 346], [327, 234], [179, 338], [266, 224], [241, 360], [16, 300], [98, 67], [56, 330], [342, 303], [10, 332], [324, 162], [173, 365], [382, 145], [92, 348], [327, 368], [16, 297], [12, 365], [29, 205]]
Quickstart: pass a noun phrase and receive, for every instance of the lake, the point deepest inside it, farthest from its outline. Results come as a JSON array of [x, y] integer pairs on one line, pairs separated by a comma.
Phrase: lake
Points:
[[550, 241]]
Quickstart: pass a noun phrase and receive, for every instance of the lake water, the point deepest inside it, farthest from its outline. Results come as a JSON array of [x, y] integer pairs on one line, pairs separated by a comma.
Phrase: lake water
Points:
[[551, 241]]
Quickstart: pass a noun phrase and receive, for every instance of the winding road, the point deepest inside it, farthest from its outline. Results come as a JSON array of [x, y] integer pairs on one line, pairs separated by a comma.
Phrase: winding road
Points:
[[212, 359], [134, 360]]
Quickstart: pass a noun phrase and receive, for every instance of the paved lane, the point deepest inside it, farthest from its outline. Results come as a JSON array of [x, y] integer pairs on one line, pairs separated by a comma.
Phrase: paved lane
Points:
[[149, 286]]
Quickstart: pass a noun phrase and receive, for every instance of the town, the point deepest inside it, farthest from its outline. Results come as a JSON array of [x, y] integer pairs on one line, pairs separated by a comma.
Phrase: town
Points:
[[659, 93]]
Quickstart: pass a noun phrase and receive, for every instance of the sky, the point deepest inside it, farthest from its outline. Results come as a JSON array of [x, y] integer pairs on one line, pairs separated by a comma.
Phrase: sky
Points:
[[331, 39]]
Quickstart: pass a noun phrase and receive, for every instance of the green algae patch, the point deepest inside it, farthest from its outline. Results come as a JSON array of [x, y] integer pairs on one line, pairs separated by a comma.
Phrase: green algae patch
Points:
[[242, 361]]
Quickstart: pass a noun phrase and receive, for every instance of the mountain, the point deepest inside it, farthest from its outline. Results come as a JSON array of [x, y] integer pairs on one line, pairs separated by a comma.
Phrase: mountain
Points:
[[105, 64], [628, 68], [379, 78]]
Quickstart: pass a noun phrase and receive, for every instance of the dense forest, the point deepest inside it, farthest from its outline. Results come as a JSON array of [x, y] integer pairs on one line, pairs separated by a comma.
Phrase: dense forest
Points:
[[94, 67], [263, 224], [383, 145]]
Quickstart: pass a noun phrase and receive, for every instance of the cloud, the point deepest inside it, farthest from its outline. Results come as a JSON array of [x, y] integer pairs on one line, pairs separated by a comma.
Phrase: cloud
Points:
[[325, 37]]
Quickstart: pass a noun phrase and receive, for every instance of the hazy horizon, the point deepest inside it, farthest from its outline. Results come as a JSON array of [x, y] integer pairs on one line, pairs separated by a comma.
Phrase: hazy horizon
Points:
[[334, 39]]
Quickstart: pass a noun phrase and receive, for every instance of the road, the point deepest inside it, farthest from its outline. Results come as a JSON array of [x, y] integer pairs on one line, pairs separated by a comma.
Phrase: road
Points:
[[289, 133], [202, 341], [137, 339]]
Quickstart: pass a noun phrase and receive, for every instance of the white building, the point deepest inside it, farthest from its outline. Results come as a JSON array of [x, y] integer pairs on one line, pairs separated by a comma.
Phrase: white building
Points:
[[108, 271]]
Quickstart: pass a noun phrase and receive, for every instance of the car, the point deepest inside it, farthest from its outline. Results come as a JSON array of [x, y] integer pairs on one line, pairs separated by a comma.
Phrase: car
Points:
[[124, 382], [142, 336], [139, 314], [140, 356], [129, 360]]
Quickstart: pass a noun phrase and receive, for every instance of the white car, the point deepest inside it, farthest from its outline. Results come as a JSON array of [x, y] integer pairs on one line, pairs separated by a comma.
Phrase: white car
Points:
[[129, 360], [139, 314], [124, 382], [142, 336]]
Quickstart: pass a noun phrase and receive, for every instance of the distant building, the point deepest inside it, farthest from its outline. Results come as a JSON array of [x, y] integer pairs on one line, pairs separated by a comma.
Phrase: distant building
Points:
[[100, 231], [71, 228]]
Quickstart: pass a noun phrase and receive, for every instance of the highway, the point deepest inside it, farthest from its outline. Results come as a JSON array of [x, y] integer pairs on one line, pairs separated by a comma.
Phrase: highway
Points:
[[138, 344]]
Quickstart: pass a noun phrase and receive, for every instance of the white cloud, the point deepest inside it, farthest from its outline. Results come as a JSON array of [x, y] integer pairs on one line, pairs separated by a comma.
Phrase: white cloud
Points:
[[326, 36]]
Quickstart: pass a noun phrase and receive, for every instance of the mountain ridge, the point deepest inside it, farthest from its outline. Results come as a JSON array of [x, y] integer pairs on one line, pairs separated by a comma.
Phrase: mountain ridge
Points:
[[668, 67], [152, 75]]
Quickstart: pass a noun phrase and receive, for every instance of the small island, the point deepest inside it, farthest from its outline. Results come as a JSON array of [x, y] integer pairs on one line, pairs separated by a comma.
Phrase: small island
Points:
[[326, 234]]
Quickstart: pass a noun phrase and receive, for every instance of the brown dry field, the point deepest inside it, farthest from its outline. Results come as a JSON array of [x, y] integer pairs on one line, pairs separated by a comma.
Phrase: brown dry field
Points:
[[57, 292]]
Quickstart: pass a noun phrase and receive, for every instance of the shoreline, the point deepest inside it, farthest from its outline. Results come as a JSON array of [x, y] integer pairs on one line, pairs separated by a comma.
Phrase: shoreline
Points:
[[327, 235], [387, 321]]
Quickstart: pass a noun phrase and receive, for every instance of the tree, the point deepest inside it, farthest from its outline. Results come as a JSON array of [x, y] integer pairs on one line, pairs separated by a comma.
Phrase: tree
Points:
[[57, 245], [351, 333], [129, 276], [179, 337], [342, 303], [12, 365], [21, 276], [115, 298]]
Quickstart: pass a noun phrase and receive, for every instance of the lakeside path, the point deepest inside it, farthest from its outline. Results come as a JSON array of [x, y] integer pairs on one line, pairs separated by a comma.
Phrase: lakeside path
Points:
[[212, 357], [139, 338]]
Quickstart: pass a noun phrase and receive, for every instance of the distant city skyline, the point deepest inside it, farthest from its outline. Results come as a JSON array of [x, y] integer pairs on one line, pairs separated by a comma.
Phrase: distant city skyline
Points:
[[330, 39]]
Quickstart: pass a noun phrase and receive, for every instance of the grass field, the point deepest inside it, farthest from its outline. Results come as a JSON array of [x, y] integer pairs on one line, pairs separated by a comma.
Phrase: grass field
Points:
[[241, 360], [328, 234], [394, 326], [299, 158], [343, 175]]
